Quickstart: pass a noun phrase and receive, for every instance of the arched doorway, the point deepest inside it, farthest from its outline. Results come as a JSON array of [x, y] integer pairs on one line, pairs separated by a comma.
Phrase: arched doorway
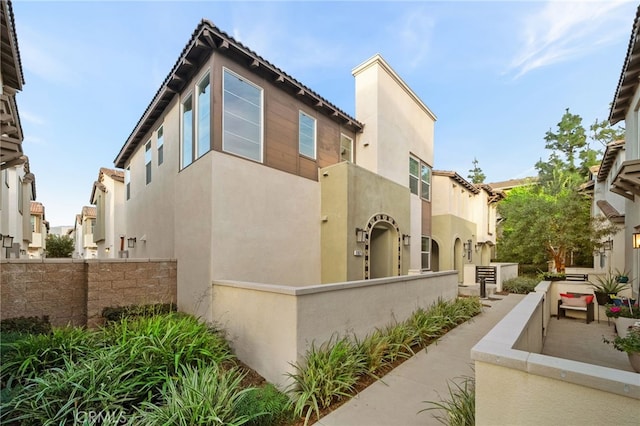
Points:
[[383, 249], [457, 259], [435, 256]]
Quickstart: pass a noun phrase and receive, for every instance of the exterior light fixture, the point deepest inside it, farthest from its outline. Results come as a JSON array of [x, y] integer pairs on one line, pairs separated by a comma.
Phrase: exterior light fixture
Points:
[[479, 246], [131, 242], [608, 245], [636, 240], [361, 235], [467, 249], [7, 241], [406, 239]]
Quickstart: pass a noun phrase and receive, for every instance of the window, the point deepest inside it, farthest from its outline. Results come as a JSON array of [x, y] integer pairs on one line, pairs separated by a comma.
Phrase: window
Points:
[[414, 170], [187, 131], [307, 135], [127, 181], [35, 224], [160, 136], [242, 117], [425, 182], [425, 252], [203, 107], [20, 195], [346, 148], [147, 160]]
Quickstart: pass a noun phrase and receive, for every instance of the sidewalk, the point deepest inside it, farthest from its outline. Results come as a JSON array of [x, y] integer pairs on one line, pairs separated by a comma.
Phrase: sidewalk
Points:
[[396, 400]]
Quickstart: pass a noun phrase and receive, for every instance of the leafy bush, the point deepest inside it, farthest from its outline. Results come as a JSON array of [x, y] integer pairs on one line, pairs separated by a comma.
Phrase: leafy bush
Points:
[[266, 406], [32, 325], [203, 395], [552, 276], [520, 285], [530, 270], [118, 313], [460, 408]]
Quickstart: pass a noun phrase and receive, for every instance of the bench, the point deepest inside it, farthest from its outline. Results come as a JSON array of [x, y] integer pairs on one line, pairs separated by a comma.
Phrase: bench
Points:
[[588, 308]]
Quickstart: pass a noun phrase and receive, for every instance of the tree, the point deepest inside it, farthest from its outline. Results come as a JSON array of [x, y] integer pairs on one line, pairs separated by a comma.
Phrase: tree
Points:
[[475, 174], [59, 246]]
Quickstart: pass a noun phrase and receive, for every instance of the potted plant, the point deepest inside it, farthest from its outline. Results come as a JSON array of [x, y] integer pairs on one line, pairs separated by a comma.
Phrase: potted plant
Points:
[[629, 344], [607, 285], [622, 276], [624, 316]]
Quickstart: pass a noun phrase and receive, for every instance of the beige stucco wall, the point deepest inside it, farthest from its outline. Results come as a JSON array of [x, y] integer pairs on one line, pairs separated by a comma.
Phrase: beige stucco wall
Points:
[[271, 326], [350, 197], [446, 230]]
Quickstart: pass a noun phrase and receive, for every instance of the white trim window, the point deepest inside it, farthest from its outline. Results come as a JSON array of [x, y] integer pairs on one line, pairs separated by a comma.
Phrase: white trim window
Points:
[[147, 161], [186, 116], [425, 253], [414, 172], [203, 124], [307, 135], [346, 148], [242, 116], [425, 182], [127, 181], [160, 143]]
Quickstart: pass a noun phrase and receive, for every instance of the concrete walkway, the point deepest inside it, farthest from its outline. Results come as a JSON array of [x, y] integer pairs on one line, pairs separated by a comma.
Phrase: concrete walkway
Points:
[[398, 397]]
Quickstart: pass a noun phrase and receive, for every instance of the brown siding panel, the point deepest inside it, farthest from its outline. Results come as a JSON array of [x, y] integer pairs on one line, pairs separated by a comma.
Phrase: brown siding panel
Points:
[[426, 218]]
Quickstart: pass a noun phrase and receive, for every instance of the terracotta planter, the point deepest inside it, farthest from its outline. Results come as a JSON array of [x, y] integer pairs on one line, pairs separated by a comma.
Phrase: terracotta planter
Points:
[[623, 324], [634, 359]]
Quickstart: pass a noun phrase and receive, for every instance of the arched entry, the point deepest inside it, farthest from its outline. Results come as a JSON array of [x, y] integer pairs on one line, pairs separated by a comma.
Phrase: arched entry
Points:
[[435, 256], [383, 248], [457, 259]]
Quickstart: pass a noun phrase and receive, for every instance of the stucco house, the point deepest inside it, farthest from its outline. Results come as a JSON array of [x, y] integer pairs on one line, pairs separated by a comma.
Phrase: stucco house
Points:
[[107, 194], [39, 231], [17, 183], [242, 172], [85, 246], [609, 205], [464, 223], [625, 175]]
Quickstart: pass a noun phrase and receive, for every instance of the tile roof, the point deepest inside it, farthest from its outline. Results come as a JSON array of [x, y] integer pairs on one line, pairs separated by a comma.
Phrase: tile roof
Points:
[[455, 176], [512, 183], [88, 211], [205, 38], [112, 173], [36, 208], [610, 212], [609, 157]]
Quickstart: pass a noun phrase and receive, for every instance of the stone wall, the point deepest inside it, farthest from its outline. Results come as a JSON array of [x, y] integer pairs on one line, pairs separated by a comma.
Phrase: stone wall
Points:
[[74, 291]]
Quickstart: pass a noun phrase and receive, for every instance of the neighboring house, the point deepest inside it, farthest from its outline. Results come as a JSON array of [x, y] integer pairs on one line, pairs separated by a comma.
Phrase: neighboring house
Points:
[[464, 222], [39, 231], [625, 176], [609, 205], [85, 246], [107, 195], [17, 183], [241, 172]]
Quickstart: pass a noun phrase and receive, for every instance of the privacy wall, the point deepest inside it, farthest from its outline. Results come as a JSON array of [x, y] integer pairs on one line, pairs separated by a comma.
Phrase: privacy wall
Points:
[[75, 291]]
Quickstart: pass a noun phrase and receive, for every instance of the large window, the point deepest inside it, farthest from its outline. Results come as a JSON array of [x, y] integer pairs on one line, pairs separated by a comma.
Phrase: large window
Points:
[[187, 131], [346, 148], [160, 137], [203, 106], [307, 135], [414, 175], [425, 182], [419, 178], [425, 251], [147, 161], [242, 117]]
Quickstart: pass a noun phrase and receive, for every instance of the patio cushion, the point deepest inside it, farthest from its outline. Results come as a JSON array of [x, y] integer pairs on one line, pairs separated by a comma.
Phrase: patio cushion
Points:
[[572, 300]]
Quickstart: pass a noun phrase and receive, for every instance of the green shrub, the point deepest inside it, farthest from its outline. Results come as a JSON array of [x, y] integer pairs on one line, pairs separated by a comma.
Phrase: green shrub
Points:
[[552, 276], [520, 285], [203, 395], [266, 406], [329, 373], [31, 325], [460, 408], [530, 270], [132, 311]]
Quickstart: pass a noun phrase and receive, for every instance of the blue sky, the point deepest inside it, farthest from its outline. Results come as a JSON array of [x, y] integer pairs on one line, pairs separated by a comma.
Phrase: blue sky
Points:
[[497, 75]]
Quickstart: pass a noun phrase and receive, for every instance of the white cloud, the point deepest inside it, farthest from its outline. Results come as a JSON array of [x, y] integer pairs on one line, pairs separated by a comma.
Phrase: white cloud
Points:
[[31, 118], [414, 31], [563, 30]]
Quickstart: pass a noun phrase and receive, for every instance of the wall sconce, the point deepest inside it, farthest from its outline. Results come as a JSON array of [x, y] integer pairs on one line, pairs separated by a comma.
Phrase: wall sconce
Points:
[[607, 245], [7, 241], [406, 239], [479, 246], [361, 235], [467, 248], [636, 240], [131, 242], [107, 249]]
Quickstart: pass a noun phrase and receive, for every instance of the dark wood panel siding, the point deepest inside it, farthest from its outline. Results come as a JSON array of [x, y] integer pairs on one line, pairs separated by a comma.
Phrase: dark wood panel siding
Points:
[[280, 127], [426, 218]]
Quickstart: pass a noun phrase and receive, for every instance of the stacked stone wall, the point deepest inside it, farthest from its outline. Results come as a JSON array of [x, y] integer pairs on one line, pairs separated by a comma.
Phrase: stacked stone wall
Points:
[[71, 291]]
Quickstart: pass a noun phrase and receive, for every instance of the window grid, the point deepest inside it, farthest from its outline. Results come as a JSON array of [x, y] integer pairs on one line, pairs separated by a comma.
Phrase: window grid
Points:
[[147, 161], [187, 131], [242, 117], [425, 252], [127, 181], [307, 135], [160, 137], [203, 124], [414, 179], [425, 182]]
